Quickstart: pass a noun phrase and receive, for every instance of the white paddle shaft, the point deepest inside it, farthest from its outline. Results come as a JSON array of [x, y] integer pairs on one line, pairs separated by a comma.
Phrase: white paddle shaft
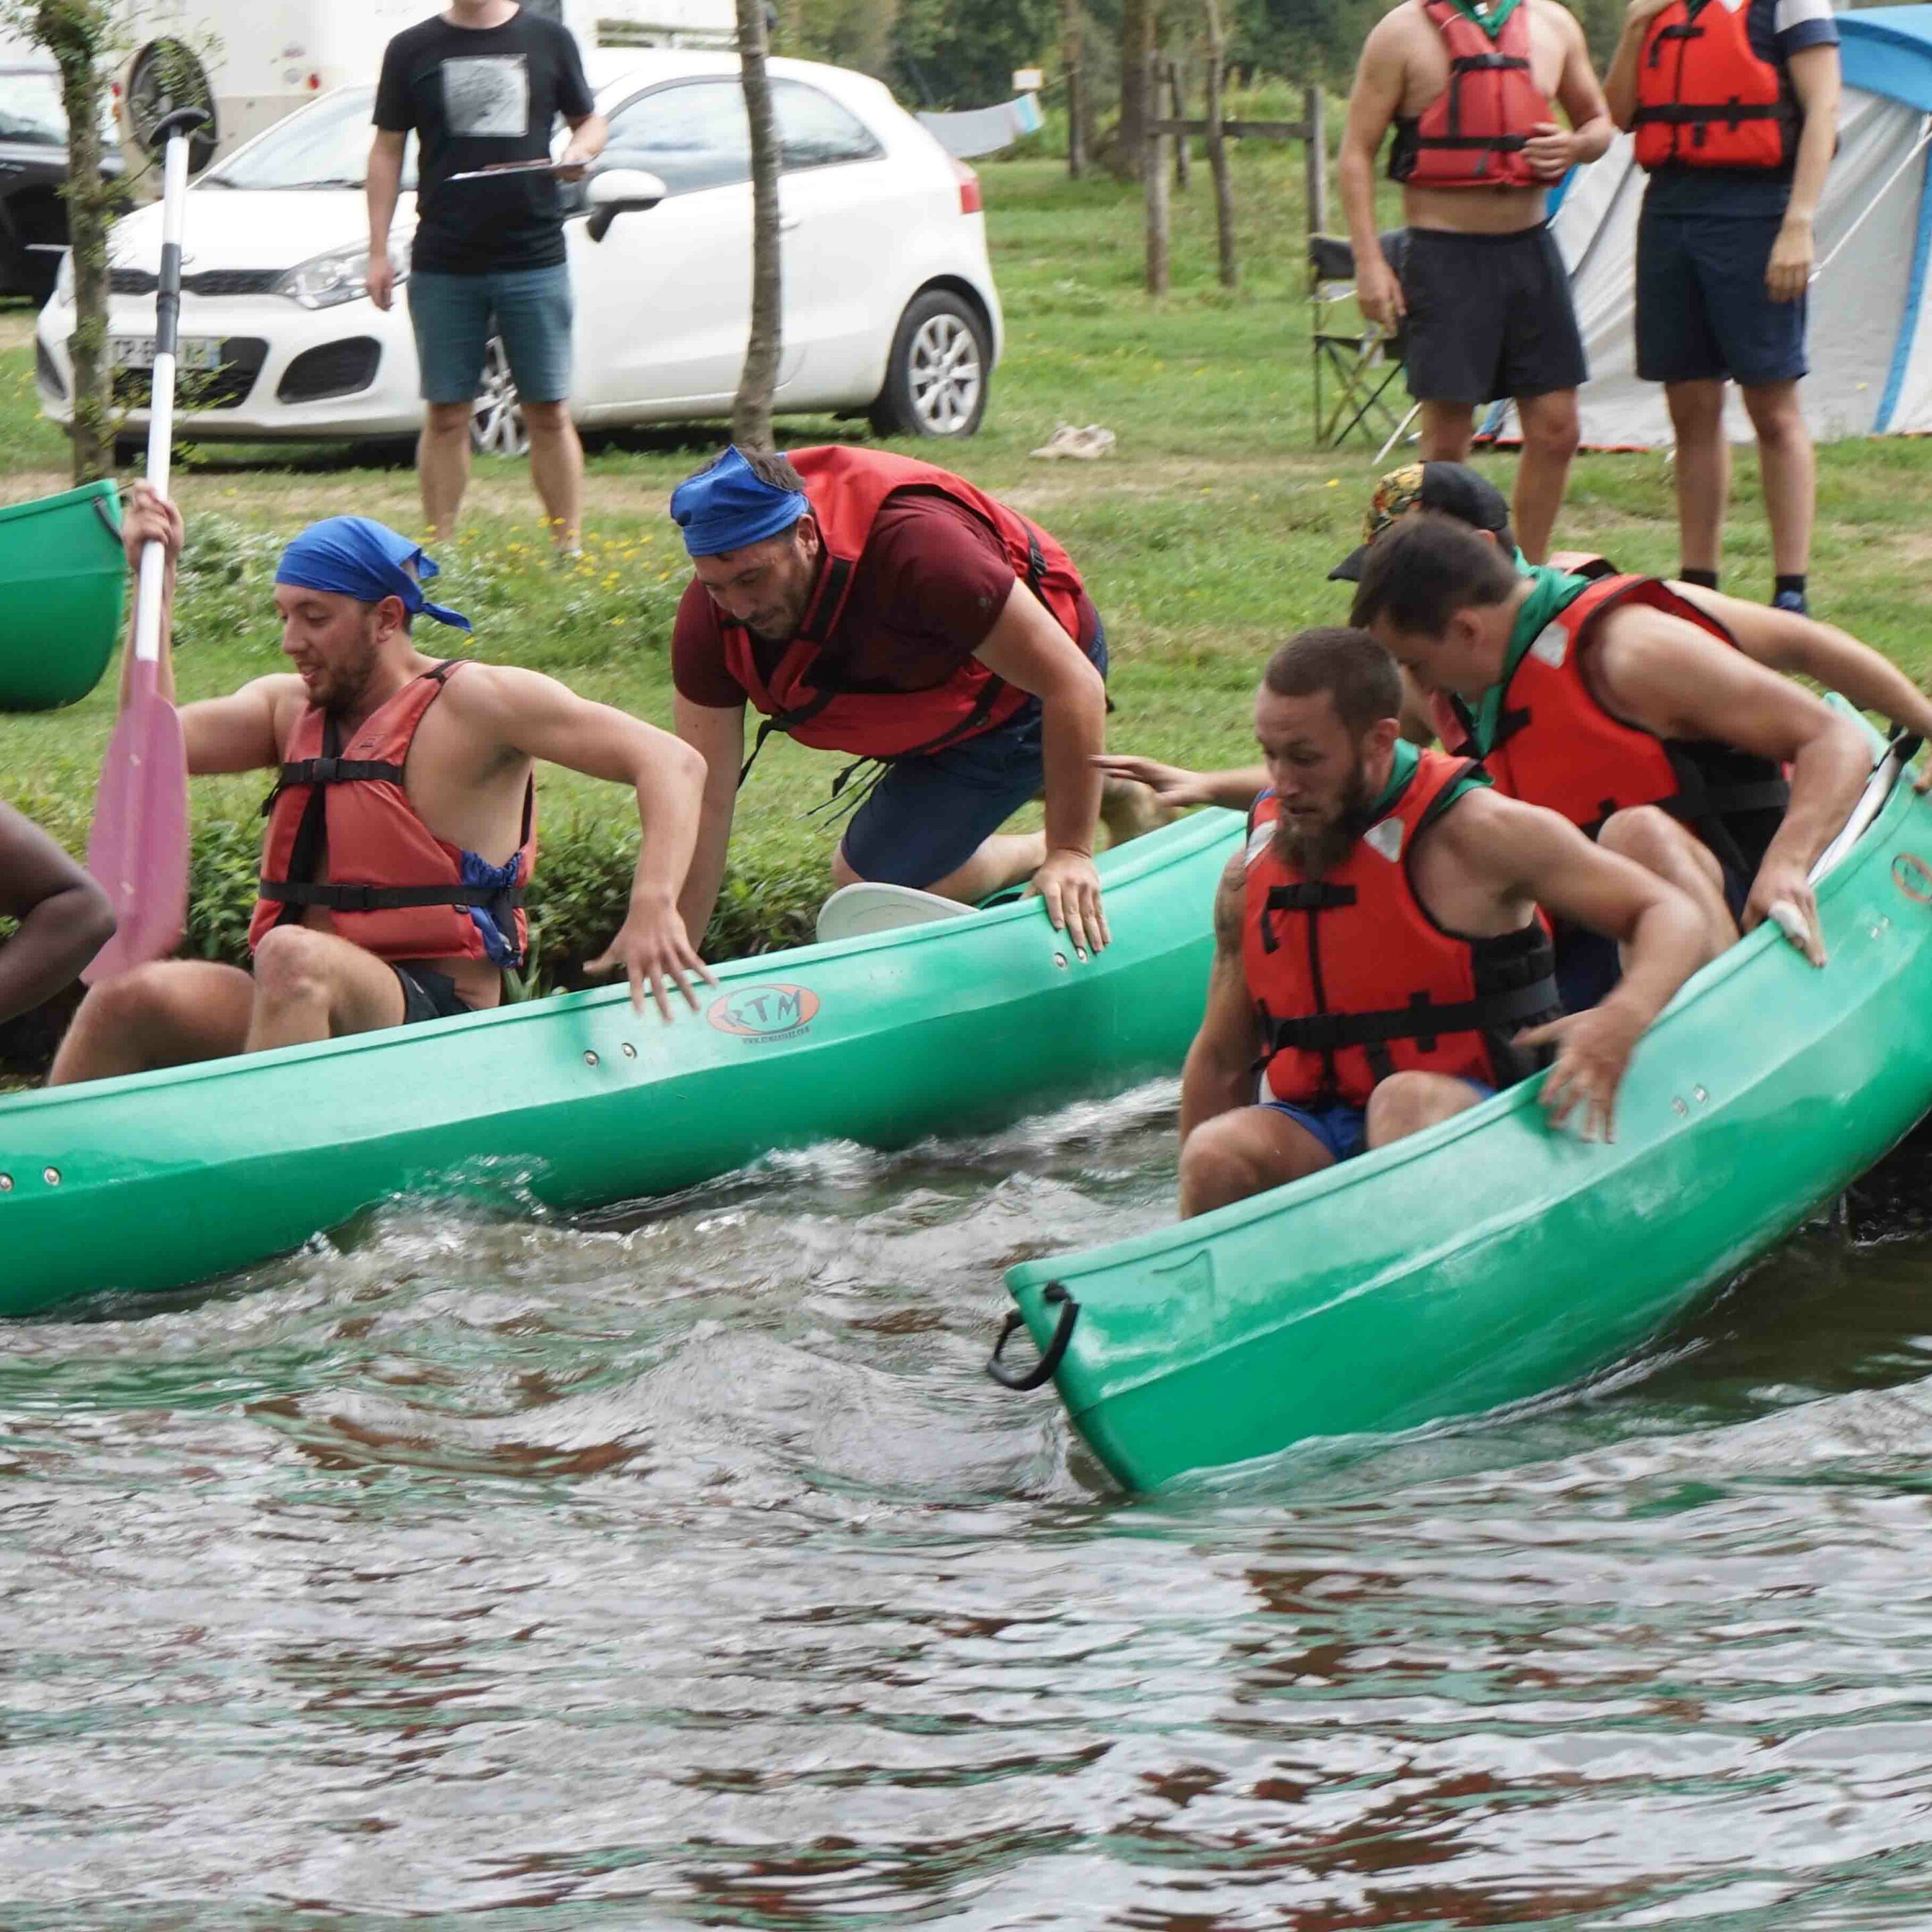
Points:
[[161, 404]]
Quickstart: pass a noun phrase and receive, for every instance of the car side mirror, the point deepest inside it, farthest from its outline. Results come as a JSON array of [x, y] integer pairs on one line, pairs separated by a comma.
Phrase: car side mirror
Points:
[[621, 191]]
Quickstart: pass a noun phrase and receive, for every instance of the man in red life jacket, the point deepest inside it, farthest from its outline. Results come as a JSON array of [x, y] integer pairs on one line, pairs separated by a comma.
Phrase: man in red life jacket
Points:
[[1379, 944], [1734, 107], [1482, 295], [876, 606], [402, 834], [1623, 706], [62, 918]]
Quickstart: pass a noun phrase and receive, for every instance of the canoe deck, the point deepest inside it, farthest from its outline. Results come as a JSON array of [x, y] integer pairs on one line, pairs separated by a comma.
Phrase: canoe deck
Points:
[[1492, 1260]]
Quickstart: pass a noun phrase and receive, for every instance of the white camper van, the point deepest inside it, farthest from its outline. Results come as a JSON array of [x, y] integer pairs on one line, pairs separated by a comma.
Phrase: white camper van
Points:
[[264, 59]]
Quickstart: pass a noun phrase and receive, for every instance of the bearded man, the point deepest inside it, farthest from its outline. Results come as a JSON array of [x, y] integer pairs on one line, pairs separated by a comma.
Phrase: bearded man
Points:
[[402, 833], [1380, 954]]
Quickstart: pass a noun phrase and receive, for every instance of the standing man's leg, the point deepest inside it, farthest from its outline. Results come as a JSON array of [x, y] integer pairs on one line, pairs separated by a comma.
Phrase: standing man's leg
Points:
[[450, 316], [1445, 430], [1550, 434], [535, 316], [1703, 464], [1789, 467]]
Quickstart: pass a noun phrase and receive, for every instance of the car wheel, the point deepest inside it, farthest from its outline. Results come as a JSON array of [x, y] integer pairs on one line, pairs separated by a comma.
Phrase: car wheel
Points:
[[496, 427], [937, 378]]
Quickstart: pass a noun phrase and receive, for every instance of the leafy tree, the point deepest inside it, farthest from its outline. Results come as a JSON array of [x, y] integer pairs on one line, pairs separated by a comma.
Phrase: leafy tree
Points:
[[961, 53]]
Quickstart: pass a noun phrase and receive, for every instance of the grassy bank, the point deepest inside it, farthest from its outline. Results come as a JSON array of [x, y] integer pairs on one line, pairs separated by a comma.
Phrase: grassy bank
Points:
[[1206, 537]]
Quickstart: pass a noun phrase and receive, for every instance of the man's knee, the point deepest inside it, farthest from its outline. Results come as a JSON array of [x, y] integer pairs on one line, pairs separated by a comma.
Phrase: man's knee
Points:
[[129, 999], [1405, 1103], [1551, 426], [1643, 833], [448, 420], [1697, 408], [1218, 1164], [842, 873], [291, 964], [1776, 415], [547, 420]]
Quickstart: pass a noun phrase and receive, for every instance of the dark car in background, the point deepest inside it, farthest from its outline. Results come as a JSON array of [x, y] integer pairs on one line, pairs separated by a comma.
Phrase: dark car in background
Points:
[[33, 166]]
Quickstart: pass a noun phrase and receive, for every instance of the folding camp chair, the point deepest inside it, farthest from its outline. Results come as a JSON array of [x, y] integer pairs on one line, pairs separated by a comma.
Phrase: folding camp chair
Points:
[[1355, 368]]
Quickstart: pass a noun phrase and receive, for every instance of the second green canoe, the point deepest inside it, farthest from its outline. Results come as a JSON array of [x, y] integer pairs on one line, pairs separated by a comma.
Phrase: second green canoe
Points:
[[63, 576]]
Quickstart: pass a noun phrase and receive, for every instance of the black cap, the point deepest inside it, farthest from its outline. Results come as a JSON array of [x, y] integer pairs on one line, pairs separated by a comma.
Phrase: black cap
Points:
[[1453, 488]]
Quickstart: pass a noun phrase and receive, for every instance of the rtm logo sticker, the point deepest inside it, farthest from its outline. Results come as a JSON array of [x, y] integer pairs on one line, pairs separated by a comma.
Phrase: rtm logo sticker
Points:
[[1912, 877], [764, 1013]]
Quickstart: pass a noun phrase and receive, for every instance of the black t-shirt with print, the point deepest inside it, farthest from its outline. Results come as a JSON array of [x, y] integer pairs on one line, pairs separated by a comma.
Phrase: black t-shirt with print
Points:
[[475, 96]]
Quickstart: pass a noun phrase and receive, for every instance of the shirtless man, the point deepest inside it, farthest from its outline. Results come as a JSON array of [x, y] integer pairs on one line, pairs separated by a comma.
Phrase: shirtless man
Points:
[[1379, 945], [62, 918], [1482, 294], [402, 834]]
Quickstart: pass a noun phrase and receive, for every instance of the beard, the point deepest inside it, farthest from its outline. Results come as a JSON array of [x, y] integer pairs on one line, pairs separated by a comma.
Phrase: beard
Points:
[[1315, 849], [341, 686]]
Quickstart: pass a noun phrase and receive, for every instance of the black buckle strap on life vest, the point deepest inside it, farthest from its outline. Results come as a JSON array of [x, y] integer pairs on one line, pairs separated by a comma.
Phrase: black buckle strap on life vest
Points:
[[1422, 1020], [331, 771], [1309, 898], [1731, 113], [334, 898]]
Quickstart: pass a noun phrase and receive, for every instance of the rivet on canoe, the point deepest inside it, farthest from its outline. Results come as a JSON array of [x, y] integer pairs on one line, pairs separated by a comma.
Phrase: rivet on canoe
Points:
[[51, 1177], [1679, 1107], [1060, 960], [590, 1059], [630, 1052], [1699, 1094], [6, 1184]]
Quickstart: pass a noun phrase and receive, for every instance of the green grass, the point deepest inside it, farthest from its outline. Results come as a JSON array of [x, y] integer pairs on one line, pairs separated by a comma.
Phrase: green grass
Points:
[[1205, 538]]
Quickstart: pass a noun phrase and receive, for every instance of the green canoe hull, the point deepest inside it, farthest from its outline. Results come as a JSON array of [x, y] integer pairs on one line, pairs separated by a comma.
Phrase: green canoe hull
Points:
[[63, 577], [165, 1179], [1492, 1261]]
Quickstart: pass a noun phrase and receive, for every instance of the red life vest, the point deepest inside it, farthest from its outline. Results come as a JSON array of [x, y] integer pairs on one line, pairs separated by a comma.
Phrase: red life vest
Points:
[[1705, 99], [1473, 133], [1581, 563], [1556, 746], [1353, 980], [848, 488], [393, 887]]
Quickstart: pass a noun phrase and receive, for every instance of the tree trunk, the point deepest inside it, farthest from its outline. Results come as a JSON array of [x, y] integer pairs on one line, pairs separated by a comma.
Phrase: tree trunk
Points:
[[751, 413], [1137, 27], [1153, 180], [1183, 149], [1315, 155], [75, 32], [1217, 151], [1076, 89]]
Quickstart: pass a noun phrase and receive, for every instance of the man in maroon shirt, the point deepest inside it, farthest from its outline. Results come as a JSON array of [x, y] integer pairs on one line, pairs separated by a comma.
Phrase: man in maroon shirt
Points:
[[874, 605]]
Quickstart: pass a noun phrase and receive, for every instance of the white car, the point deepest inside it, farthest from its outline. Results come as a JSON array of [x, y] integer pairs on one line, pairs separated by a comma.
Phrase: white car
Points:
[[889, 305]]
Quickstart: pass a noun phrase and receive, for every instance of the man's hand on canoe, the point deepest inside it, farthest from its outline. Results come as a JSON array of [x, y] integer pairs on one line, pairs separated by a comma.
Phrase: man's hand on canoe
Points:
[[1069, 883], [1593, 1054], [654, 950]]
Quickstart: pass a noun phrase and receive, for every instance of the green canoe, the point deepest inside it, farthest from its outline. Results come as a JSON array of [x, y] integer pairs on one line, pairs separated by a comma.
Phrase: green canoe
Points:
[[164, 1179], [63, 575], [1490, 1260]]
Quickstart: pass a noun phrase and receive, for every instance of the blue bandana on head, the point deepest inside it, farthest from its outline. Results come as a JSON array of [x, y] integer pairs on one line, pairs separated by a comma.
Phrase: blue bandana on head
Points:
[[355, 557], [727, 505]]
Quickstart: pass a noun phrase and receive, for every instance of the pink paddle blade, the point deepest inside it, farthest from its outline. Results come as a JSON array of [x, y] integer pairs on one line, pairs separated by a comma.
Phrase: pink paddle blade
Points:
[[139, 846]]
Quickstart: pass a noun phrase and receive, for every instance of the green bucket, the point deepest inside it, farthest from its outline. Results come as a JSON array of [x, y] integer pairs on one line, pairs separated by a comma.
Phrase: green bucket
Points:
[[63, 579]]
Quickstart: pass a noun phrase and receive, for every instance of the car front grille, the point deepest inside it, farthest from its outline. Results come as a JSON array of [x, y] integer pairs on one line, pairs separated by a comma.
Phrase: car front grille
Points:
[[226, 387], [335, 369], [211, 282]]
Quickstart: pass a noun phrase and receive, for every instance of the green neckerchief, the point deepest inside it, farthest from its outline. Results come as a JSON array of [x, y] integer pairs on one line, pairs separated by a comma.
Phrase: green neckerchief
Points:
[[1407, 758], [1551, 592], [1489, 19]]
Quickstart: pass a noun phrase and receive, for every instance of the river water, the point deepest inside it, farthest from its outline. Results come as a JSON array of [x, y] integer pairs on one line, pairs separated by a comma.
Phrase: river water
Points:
[[681, 1567]]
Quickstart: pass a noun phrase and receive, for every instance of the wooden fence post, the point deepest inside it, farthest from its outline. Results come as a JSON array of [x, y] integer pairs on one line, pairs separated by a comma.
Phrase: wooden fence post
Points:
[[1153, 175], [1076, 89], [1315, 153], [1183, 157], [1217, 151]]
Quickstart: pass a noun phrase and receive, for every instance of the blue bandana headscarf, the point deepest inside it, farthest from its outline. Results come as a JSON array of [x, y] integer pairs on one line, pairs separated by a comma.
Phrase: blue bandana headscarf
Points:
[[726, 506], [355, 557]]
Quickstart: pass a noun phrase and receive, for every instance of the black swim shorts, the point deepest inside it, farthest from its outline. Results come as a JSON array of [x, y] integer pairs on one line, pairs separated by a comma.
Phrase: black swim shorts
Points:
[[1489, 315], [427, 995]]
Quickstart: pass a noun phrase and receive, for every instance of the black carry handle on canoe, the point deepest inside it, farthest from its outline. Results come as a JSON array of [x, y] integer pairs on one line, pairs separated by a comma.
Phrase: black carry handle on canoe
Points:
[[1041, 1371]]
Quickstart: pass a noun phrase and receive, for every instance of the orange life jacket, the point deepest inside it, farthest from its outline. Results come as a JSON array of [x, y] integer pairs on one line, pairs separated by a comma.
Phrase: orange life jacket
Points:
[[1556, 746], [393, 887], [1353, 980], [1581, 563], [1705, 99], [848, 487], [1473, 133]]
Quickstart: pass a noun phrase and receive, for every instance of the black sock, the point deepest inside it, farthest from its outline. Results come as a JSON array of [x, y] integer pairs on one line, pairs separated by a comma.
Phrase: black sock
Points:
[[1784, 584], [1705, 579]]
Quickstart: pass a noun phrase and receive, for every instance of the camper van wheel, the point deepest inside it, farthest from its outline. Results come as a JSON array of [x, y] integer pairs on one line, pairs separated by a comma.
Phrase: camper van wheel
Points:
[[936, 380], [496, 427]]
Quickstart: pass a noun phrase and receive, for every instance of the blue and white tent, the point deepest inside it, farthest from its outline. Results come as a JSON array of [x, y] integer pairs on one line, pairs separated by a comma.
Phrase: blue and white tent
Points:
[[1871, 322]]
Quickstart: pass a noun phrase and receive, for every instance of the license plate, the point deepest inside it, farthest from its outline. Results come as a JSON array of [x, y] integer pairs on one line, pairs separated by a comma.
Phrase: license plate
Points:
[[198, 353]]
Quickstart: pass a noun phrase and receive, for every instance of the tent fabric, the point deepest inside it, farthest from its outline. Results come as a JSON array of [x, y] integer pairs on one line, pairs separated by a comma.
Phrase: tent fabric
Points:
[[985, 130], [1871, 339]]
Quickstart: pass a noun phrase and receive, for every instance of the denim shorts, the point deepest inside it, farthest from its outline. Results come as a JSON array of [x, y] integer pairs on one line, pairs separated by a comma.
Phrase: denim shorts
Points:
[[929, 815], [454, 316]]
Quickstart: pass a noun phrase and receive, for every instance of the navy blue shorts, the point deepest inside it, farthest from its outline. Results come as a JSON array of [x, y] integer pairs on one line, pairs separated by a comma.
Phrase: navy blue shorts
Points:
[[1343, 1130], [1702, 311], [928, 816], [1588, 965]]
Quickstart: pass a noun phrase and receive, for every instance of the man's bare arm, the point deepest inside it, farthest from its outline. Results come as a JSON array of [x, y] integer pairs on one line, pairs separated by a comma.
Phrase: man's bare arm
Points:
[[1372, 103], [717, 733], [1219, 1075], [384, 189], [64, 919], [1816, 81], [1620, 82], [1591, 130], [1176, 786]]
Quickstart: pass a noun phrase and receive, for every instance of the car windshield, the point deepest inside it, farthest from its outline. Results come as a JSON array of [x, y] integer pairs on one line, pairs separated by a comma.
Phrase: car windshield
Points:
[[30, 115], [326, 146]]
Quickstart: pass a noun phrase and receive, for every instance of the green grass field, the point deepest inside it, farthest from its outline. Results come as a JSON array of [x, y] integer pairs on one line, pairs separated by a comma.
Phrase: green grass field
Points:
[[1206, 537]]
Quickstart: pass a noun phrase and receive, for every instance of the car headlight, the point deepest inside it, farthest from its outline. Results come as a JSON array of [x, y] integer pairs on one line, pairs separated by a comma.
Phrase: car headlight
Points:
[[340, 276], [64, 280]]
